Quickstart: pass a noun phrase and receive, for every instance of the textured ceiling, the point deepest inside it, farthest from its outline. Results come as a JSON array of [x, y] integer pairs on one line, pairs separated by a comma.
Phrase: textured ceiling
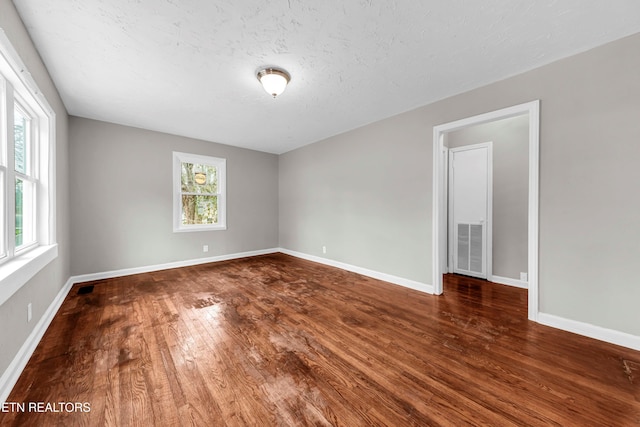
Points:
[[187, 67]]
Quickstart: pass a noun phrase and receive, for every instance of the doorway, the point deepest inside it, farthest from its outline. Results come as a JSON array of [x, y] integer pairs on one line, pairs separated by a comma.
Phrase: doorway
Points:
[[440, 206]]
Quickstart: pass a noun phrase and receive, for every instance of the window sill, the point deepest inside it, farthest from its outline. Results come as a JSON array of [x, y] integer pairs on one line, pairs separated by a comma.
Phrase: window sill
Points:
[[199, 228], [19, 270]]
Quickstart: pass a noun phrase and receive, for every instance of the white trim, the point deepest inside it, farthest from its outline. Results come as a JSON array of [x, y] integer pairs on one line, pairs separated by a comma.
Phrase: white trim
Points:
[[20, 69], [407, 283], [592, 331], [439, 213], [19, 270], [510, 282], [439, 224], [50, 197], [19, 362], [447, 263], [158, 267], [534, 200]]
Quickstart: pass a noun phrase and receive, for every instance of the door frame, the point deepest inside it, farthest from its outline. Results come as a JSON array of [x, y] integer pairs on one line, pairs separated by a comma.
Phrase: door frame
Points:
[[488, 220], [439, 239]]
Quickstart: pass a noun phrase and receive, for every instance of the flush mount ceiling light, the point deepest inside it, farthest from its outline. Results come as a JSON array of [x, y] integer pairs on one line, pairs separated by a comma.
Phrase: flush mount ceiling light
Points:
[[274, 80]]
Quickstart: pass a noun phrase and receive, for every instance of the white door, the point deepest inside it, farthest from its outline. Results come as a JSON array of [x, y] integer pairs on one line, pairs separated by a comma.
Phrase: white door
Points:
[[470, 182]]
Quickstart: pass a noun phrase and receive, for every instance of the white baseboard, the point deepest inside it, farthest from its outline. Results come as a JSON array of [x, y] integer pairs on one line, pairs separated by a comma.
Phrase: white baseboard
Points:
[[592, 331], [158, 267], [17, 365], [407, 283], [510, 282]]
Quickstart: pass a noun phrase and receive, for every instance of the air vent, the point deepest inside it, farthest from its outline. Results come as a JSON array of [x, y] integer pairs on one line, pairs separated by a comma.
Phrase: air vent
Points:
[[470, 248], [85, 290]]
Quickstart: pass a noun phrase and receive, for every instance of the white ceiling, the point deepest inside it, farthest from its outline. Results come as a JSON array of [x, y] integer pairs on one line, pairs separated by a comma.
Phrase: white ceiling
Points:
[[187, 67]]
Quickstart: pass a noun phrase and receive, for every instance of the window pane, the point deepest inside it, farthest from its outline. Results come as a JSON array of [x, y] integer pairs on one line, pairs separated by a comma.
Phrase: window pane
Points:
[[3, 226], [20, 141], [199, 209], [25, 213], [199, 178], [19, 210]]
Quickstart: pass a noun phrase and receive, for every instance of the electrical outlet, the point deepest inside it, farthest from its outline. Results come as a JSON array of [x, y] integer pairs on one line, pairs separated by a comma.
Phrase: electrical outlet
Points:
[[324, 249], [524, 277], [29, 312], [205, 248]]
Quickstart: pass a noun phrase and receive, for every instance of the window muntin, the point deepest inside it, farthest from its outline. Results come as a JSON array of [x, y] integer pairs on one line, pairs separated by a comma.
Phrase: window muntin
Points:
[[199, 192]]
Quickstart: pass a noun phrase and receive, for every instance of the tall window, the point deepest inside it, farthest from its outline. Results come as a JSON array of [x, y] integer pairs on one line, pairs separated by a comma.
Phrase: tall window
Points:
[[199, 195], [27, 134]]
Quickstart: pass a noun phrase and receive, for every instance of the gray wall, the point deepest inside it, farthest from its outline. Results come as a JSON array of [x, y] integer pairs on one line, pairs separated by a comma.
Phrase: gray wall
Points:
[[363, 195], [510, 139], [366, 194], [42, 288], [121, 187]]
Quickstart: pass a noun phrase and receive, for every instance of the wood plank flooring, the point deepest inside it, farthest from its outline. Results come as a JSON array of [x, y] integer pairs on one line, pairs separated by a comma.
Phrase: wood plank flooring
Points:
[[278, 341]]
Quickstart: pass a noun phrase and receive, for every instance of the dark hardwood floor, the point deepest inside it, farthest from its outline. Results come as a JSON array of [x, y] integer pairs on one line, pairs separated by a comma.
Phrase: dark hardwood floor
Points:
[[274, 340]]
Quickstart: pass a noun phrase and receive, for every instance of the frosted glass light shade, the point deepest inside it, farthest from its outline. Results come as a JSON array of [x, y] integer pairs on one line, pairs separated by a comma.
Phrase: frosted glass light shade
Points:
[[273, 81]]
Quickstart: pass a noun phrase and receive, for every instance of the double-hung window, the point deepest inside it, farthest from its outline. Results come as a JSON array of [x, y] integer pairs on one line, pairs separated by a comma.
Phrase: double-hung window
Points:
[[199, 192], [27, 146]]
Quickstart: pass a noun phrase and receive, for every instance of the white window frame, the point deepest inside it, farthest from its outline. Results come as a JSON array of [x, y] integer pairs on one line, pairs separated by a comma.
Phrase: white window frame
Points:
[[19, 265], [221, 167]]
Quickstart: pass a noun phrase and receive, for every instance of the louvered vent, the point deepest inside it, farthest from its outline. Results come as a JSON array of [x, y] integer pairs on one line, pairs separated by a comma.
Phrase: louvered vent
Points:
[[470, 247], [475, 248], [463, 246]]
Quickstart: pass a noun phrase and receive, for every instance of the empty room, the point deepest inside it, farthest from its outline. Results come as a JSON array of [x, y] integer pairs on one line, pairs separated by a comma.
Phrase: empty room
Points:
[[295, 213]]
